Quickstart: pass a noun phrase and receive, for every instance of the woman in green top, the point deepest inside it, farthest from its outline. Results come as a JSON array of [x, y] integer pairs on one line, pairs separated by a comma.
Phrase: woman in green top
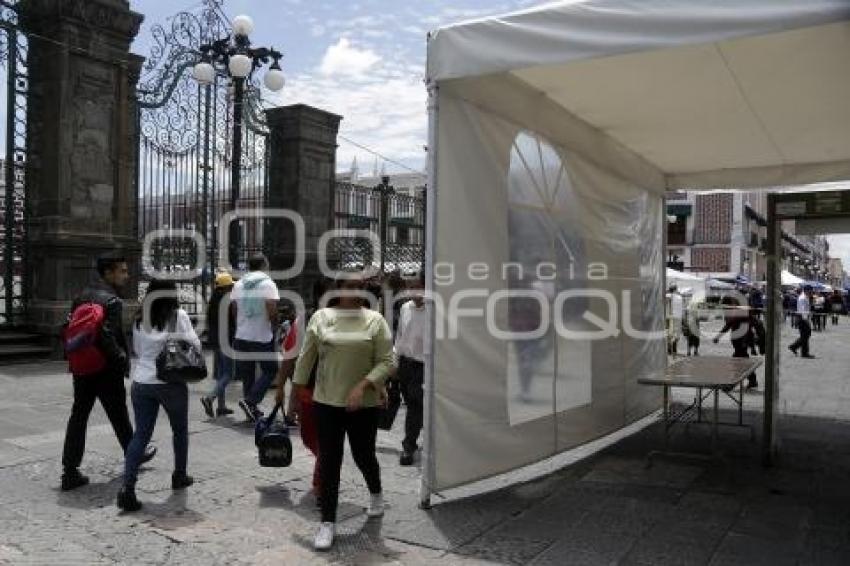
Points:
[[353, 347]]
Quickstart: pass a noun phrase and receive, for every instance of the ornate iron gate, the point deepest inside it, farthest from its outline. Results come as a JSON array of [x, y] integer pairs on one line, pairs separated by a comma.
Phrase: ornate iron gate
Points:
[[185, 155], [13, 208]]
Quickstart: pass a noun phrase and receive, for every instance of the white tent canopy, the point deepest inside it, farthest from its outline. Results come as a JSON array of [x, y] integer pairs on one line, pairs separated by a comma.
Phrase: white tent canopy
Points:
[[788, 278], [554, 134], [725, 93], [687, 281]]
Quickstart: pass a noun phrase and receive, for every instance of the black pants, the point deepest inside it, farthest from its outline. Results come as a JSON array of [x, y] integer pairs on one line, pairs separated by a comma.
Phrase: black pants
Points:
[[740, 351], [410, 375], [802, 342], [109, 388], [333, 423]]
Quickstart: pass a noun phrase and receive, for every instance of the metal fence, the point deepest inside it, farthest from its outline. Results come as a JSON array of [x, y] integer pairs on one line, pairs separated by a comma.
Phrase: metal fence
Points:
[[13, 210], [185, 163], [185, 156], [397, 218]]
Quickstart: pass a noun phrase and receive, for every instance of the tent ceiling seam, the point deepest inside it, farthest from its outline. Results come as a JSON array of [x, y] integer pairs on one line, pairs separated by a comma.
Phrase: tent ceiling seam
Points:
[[749, 103]]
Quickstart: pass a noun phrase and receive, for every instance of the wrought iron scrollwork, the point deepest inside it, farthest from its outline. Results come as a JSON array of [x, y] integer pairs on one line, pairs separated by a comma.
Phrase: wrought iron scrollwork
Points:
[[185, 146]]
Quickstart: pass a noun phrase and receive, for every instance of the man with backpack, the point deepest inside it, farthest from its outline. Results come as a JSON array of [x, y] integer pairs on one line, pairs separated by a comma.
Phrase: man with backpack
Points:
[[97, 353]]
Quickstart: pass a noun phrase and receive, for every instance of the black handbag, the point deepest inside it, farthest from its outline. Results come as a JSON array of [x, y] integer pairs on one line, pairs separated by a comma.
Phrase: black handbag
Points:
[[180, 361], [271, 436], [386, 414]]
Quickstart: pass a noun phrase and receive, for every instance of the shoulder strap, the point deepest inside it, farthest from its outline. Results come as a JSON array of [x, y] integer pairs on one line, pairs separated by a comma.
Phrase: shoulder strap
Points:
[[273, 414], [172, 322]]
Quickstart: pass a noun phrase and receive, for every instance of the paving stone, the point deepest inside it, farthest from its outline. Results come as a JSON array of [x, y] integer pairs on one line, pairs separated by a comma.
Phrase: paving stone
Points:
[[634, 471], [774, 521], [626, 517], [585, 547], [677, 544], [746, 550], [506, 548], [605, 510]]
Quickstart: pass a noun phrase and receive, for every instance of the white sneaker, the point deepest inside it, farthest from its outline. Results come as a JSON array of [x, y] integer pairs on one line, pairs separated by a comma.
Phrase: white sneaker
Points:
[[376, 505], [324, 536]]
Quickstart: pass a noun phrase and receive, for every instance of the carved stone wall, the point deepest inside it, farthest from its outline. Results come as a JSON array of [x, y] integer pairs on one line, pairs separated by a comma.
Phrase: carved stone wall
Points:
[[81, 144]]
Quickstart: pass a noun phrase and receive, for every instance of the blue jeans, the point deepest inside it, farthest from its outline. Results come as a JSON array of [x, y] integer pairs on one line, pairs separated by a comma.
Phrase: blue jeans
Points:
[[254, 391], [223, 367], [147, 398]]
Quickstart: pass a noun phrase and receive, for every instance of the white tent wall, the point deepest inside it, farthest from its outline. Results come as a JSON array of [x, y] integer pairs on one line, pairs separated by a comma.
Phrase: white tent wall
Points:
[[515, 196]]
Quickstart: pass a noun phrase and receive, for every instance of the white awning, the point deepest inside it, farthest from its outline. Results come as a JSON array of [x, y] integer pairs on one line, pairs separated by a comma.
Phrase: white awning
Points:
[[726, 93], [788, 278]]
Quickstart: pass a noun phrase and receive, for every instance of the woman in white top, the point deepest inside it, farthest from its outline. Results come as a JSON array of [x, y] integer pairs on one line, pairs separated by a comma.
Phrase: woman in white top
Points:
[[148, 393]]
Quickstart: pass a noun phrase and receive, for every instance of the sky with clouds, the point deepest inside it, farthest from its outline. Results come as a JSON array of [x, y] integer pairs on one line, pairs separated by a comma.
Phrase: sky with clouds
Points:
[[362, 59]]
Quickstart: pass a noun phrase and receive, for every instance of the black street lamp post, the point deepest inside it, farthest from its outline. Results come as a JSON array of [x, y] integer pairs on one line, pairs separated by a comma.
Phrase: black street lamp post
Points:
[[385, 191], [233, 57]]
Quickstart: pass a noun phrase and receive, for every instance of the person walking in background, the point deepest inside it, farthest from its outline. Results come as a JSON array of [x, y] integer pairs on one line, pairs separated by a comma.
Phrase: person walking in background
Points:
[[789, 302], [818, 311], [159, 312], [255, 298], [836, 306], [804, 313], [756, 301], [288, 345], [353, 347], [691, 329], [302, 399], [107, 384], [677, 313], [220, 338], [737, 321], [410, 353]]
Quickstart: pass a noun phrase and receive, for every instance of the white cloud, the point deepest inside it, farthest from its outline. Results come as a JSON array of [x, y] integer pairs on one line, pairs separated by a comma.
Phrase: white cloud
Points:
[[343, 58], [383, 106]]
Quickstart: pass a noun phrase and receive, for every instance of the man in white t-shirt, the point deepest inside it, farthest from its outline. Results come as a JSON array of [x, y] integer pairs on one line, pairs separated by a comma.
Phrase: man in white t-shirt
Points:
[[255, 298]]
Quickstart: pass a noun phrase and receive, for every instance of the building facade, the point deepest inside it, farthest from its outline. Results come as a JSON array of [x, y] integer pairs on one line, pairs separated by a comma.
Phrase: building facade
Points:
[[724, 234]]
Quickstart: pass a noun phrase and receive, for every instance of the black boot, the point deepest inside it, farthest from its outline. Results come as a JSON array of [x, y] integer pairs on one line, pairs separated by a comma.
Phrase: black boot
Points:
[[179, 480], [72, 479], [127, 500]]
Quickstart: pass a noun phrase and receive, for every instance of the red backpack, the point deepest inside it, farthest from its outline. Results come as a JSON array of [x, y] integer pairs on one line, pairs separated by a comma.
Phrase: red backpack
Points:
[[81, 339]]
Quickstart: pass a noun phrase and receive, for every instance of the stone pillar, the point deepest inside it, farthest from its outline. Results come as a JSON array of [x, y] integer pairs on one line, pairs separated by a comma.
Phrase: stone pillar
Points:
[[302, 178], [82, 146]]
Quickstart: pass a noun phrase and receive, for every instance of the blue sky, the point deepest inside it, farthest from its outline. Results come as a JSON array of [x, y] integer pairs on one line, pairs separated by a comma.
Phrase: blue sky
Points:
[[363, 59]]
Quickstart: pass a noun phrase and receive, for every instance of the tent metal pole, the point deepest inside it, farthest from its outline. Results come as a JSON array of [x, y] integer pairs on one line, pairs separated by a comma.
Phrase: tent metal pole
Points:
[[428, 461], [773, 350]]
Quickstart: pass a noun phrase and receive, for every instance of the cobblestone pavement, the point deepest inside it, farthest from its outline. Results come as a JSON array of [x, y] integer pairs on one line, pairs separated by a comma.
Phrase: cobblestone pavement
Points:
[[608, 509]]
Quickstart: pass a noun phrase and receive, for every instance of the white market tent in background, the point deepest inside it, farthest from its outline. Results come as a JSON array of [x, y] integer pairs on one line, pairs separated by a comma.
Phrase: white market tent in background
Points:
[[696, 284], [788, 278], [555, 132]]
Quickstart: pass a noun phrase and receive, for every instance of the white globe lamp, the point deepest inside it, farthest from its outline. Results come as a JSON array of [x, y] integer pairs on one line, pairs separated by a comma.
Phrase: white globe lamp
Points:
[[240, 65], [204, 73], [243, 25], [274, 79]]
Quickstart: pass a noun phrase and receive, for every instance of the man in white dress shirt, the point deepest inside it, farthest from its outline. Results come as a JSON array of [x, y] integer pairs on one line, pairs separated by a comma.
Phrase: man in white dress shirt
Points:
[[410, 353], [804, 314]]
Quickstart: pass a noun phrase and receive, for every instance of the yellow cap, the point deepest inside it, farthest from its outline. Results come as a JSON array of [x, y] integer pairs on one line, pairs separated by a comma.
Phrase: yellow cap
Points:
[[223, 280]]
